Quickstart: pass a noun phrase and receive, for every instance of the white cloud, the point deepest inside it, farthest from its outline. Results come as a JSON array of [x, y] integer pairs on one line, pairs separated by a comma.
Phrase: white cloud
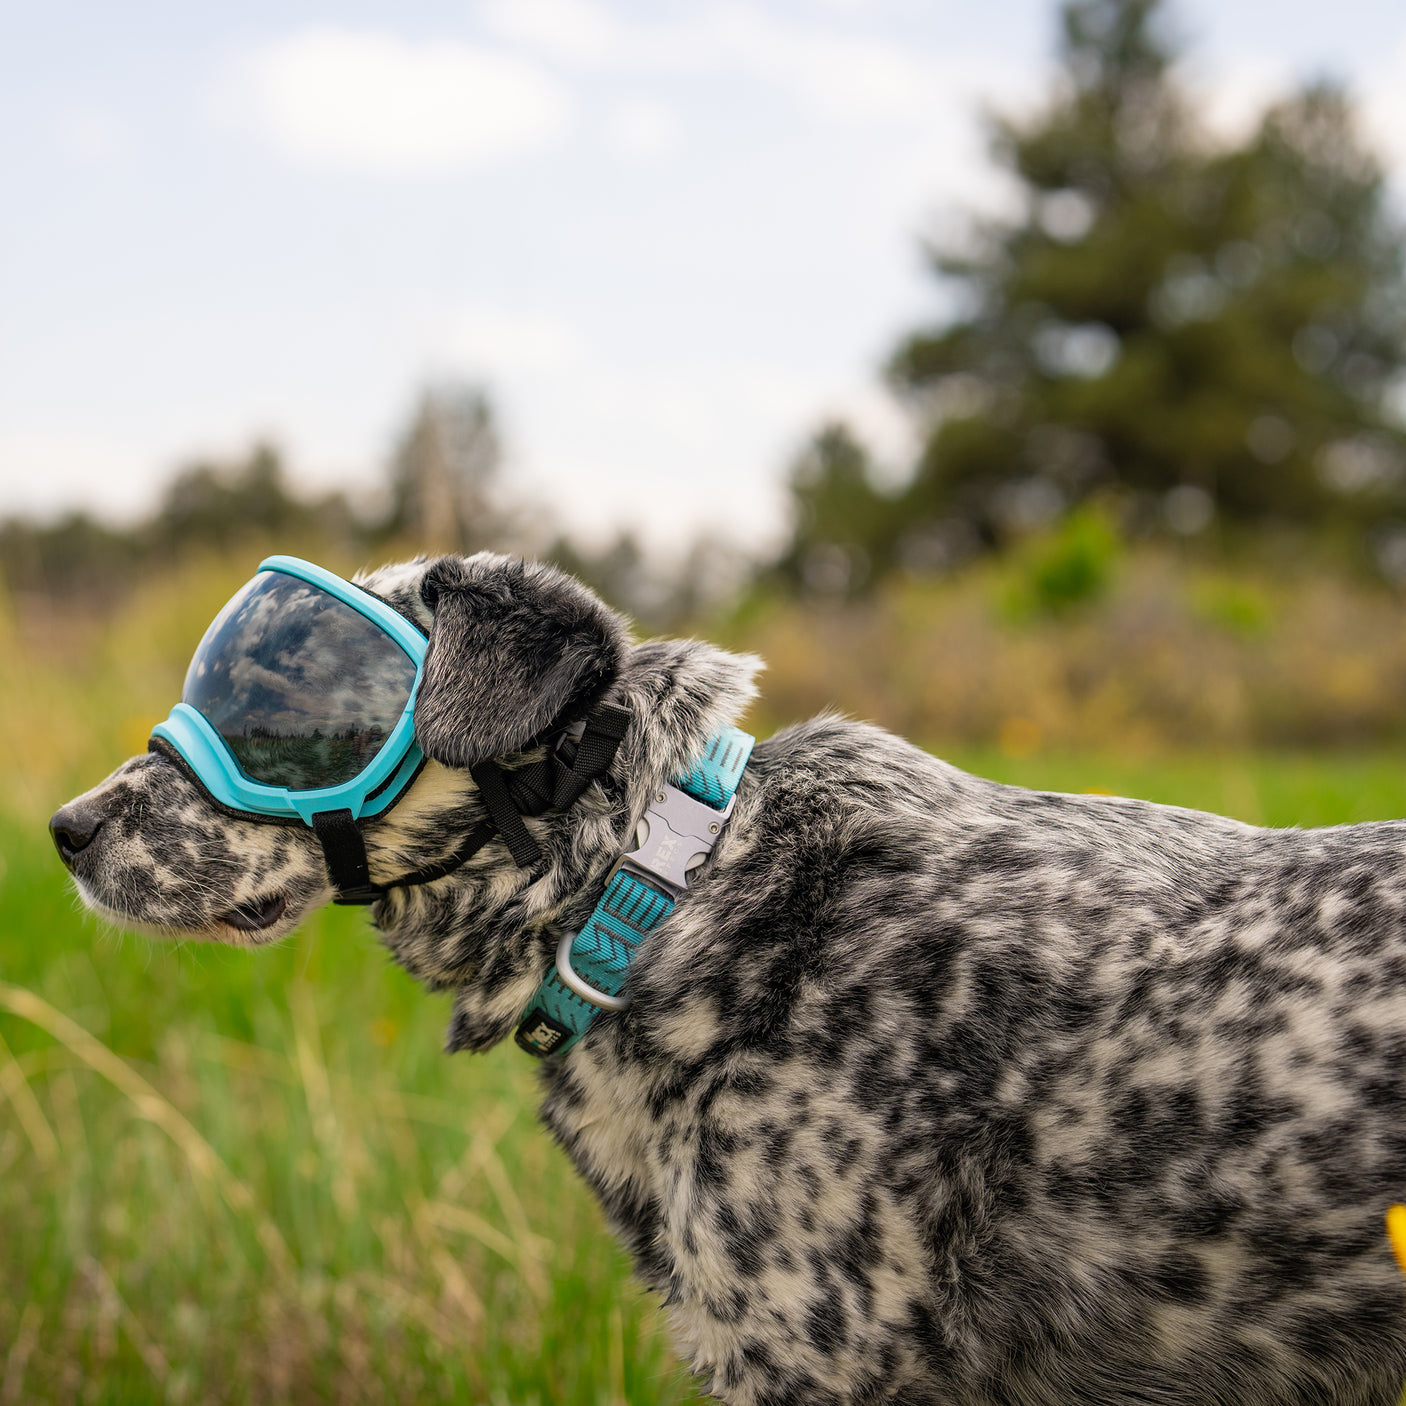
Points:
[[576, 30], [640, 129], [377, 103], [838, 74]]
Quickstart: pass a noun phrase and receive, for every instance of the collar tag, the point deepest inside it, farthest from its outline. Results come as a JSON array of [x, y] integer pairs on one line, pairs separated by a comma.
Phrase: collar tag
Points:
[[539, 1034]]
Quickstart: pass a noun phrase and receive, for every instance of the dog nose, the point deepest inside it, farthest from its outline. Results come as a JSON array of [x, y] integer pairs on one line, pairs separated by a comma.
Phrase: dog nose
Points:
[[73, 828]]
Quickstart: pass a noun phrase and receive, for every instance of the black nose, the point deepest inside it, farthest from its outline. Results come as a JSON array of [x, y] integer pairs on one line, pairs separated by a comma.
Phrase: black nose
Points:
[[73, 829]]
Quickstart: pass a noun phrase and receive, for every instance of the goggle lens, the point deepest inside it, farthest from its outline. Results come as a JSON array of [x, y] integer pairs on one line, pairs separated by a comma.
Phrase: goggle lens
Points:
[[303, 689]]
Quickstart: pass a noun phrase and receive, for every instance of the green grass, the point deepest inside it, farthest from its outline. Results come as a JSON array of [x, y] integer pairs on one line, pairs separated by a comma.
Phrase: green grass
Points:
[[233, 1177], [377, 1223], [1261, 788]]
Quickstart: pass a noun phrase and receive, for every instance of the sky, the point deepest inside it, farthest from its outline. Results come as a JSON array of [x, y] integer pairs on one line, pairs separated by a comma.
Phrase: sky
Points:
[[670, 239]]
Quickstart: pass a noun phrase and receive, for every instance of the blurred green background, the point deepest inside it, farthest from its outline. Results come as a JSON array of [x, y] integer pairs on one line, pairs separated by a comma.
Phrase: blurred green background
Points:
[[1152, 542]]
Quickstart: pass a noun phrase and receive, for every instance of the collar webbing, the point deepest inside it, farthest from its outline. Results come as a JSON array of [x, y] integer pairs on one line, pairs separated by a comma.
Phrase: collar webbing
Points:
[[643, 890]]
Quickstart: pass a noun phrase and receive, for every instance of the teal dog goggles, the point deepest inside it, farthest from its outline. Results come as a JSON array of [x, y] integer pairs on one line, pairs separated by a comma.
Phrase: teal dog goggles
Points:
[[300, 698], [299, 705]]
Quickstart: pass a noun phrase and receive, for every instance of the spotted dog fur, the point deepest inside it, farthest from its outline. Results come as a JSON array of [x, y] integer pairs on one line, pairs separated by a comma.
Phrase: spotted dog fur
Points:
[[932, 1090]]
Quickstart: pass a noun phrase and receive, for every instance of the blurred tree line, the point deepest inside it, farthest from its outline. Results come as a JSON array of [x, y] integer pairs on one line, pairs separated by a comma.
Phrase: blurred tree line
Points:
[[1204, 339], [439, 486], [442, 493]]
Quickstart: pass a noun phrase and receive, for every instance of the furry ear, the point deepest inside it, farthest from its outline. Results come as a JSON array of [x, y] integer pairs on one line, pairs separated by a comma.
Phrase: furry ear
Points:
[[513, 647]]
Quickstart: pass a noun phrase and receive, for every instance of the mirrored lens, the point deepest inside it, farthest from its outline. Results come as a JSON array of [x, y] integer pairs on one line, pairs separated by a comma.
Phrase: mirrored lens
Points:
[[303, 689]]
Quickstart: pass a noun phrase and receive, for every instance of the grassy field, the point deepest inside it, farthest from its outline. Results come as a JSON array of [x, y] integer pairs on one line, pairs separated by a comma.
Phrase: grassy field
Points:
[[240, 1177], [254, 1177], [232, 1176]]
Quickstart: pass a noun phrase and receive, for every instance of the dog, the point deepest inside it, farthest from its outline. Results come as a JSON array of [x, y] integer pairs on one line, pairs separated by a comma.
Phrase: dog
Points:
[[931, 1090]]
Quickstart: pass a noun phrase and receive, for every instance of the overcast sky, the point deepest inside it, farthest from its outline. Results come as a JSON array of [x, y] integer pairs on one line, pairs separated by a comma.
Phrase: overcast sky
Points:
[[668, 237]]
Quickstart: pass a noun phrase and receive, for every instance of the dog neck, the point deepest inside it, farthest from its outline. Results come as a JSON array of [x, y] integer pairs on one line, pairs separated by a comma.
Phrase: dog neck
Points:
[[489, 931]]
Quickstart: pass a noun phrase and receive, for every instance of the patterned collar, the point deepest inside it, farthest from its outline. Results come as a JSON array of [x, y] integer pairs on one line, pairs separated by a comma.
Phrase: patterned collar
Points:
[[680, 828]]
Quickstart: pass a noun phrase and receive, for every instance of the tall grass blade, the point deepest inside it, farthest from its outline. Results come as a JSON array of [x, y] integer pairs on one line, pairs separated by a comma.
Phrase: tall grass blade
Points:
[[17, 1359], [15, 1087], [150, 1104]]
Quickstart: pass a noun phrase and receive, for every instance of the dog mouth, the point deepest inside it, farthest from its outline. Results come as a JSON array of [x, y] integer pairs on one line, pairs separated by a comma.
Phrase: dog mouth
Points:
[[258, 914]]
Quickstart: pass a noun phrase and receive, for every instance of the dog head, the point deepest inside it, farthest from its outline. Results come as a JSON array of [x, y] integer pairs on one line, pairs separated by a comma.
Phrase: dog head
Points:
[[513, 648]]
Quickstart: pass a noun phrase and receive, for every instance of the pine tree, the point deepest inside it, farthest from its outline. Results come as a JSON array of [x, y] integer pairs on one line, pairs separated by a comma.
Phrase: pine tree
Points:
[[1198, 333], [840, 515]]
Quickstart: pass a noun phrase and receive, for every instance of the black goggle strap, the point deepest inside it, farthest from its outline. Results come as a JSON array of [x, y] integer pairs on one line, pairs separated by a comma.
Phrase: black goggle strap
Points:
[[554, 783], [345, 851], [507, 818], [605, 730]]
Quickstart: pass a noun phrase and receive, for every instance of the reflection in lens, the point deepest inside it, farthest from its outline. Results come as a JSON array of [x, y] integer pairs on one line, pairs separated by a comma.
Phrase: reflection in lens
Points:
[[303, 689]]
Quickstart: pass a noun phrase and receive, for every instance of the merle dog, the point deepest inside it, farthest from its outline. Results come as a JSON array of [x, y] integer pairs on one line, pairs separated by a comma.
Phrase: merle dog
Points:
[[932, 1090]]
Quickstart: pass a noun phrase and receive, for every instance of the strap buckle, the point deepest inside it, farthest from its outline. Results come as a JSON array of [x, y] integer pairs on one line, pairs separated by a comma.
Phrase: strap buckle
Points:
[[675, 836]]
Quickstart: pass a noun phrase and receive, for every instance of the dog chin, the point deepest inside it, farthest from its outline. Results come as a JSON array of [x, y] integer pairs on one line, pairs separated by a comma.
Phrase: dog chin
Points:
[[230, 936], [227, 934]]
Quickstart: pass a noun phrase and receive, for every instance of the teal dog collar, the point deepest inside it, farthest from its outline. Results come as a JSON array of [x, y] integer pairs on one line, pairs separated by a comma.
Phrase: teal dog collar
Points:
[[680, 828]]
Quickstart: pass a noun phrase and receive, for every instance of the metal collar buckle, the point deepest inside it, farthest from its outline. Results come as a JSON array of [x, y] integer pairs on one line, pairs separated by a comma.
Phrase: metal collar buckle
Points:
[[676, 835]]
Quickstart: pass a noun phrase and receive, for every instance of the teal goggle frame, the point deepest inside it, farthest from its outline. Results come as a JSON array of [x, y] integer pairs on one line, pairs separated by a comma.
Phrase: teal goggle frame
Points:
[[372, 790]]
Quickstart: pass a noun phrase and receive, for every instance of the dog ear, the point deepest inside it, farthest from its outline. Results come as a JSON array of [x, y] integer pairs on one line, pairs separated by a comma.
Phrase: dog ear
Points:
[[514, 646]]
